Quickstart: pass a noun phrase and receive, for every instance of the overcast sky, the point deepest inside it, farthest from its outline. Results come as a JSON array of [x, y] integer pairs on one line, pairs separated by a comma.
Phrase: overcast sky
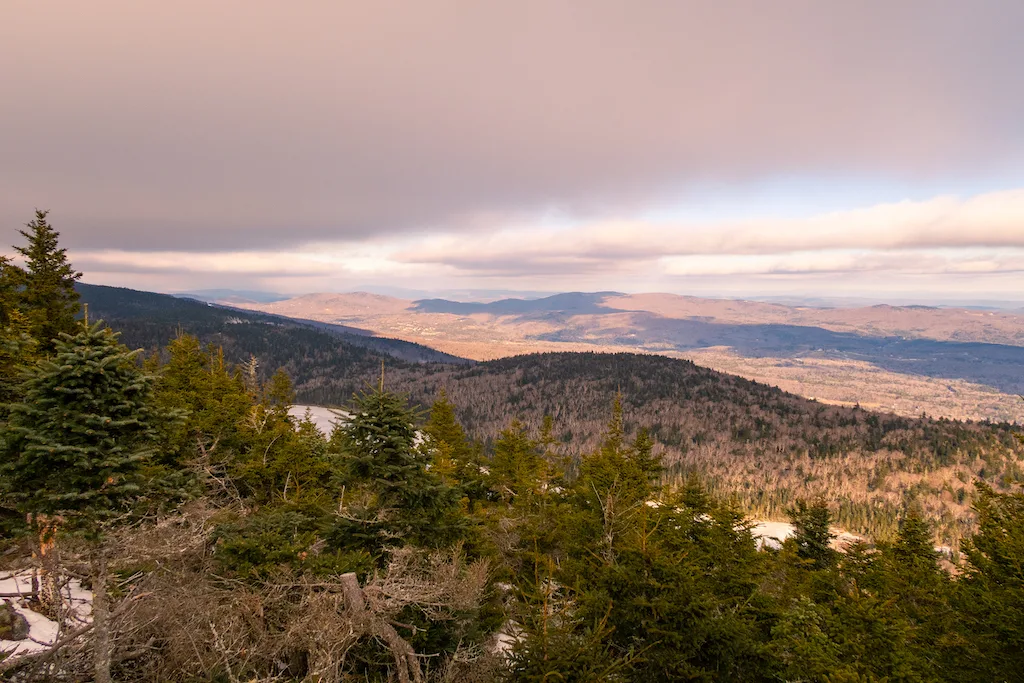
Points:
[[742, 148]]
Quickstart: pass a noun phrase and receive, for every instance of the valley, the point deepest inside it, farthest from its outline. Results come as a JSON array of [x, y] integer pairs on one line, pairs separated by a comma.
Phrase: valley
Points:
[[956, 363]]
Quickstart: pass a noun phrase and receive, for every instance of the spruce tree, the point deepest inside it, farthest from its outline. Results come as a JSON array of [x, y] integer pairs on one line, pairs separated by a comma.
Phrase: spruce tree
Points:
[[516, 467], [17, 349], [78, 444], [388, 476], [83, 430], [991, 595], [47, 294], [443, 428], [625, 471], [11, 281], [197, 381], [452, 455], [812, 533]]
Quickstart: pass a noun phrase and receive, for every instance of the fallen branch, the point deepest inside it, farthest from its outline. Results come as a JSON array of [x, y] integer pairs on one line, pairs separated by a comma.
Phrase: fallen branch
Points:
[[406, 662], [43, 656]]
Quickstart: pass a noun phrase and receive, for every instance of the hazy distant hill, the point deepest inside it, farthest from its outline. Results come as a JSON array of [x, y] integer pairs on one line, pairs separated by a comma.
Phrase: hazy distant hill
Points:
[[910, 359], [571, 303], [233, 295]]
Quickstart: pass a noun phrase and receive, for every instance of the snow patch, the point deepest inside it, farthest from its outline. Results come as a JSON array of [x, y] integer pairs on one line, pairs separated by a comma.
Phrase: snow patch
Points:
[[43, 632], [323, 418]]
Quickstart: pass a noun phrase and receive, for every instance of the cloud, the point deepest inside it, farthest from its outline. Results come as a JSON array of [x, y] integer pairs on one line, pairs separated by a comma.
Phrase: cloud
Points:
[[248, 125], [251, 264], [975, 237], [989, 221], [812, 263]]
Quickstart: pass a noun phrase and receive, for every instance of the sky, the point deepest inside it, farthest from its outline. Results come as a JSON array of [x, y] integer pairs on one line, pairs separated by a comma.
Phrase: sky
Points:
[[727, 148]]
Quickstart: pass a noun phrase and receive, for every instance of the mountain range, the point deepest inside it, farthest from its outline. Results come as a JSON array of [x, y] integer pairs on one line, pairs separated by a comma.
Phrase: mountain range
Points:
[[764, 446], [953, 362]]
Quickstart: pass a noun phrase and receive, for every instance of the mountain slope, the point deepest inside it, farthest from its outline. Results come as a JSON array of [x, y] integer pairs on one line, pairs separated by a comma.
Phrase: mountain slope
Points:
[[759, 443], [313, 354], [912, 359], [762, 445]]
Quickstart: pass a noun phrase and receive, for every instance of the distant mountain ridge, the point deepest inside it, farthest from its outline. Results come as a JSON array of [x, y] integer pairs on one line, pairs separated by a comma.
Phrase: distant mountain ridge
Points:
[[240, 296], [911, 359], [574, 303], [913, 321]]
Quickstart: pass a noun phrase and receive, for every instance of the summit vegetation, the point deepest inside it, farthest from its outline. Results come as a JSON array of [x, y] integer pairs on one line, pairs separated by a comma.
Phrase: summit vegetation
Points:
[[552, 517]]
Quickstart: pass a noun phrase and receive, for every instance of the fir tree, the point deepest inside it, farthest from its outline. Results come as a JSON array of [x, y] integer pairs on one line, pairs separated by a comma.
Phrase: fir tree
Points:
[[453, 457], [80, 439], [86, 425], [198, 382], [443, 428], [914, 547], [516, 465], [812, 533], [17, 349], [11, 280], [991, 596], [48, 297], [403, 502]]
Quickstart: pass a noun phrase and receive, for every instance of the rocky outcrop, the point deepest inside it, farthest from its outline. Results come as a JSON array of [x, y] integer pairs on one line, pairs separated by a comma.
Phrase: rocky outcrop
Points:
[[13, 625]]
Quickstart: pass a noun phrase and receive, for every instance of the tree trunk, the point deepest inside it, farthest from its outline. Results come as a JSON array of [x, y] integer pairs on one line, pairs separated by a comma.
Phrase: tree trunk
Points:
[[407, 666], [100, 617], [45, 574]]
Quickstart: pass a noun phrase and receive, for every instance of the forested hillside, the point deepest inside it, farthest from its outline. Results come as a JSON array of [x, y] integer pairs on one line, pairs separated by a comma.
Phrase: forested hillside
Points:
[[748, 440], [311, 352], [763, 446], [960, 364]]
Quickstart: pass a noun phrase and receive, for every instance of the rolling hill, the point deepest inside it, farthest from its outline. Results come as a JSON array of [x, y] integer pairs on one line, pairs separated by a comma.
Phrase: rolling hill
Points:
[[757, 442], [958, 363]]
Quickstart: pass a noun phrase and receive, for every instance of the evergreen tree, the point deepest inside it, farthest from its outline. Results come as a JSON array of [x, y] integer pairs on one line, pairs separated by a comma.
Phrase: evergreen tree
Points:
[[641, 455], [624, 472], [86, 425], [453, 457], [17, 349], [991, 595], [914, 547], [47, 297], [812, 533], [11, 280], [396, 500], [516, 465], [916, 588], [199, 383], [274, 462], [279, 395], [79, 442], [614, 436], [443, 427]]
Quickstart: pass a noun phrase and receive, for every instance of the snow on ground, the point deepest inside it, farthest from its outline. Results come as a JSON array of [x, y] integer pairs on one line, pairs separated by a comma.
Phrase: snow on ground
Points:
[[772, 534], [323, 418], [42, 631]]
